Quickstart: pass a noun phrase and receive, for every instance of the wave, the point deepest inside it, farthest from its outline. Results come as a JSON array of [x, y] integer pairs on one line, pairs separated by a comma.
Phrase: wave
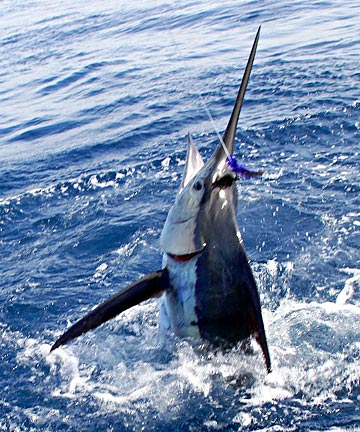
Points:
[[129, 370]]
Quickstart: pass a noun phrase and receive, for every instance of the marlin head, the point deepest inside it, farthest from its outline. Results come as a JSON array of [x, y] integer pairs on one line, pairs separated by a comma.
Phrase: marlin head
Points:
[[207, 190]]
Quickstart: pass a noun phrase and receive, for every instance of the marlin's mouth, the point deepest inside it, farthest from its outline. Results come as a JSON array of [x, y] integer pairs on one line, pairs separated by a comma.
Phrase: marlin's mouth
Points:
[[186, 257]]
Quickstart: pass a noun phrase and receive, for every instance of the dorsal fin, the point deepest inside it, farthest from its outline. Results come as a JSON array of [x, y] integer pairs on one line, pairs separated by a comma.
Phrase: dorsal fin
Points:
[[193, 163]]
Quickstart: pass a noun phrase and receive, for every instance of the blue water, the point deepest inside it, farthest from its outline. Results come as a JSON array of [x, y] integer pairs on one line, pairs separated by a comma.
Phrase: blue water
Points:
[[96, 99]]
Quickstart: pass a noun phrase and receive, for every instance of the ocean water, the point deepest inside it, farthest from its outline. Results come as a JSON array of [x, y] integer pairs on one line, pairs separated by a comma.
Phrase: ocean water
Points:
[[96, 100]]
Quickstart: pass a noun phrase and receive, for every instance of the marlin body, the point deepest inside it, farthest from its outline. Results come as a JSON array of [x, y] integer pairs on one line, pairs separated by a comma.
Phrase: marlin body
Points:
[[206, 285]]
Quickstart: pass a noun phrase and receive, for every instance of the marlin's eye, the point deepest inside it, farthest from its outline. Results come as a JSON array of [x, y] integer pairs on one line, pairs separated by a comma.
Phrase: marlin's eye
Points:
[[198, 185], [224, 182]]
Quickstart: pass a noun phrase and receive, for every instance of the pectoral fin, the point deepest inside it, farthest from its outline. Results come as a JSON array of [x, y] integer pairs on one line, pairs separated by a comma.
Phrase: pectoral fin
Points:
[[151, 285]]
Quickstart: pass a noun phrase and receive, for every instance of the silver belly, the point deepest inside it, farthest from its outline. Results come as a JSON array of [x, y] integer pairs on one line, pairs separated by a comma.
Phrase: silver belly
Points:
[[177, 307]]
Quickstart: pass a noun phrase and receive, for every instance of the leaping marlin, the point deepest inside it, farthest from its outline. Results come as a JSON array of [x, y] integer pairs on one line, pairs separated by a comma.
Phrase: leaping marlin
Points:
[[206, 285]]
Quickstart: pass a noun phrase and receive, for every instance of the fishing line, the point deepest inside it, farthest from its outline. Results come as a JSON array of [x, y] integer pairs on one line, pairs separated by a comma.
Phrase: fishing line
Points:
[[230, 158], [202, 99]]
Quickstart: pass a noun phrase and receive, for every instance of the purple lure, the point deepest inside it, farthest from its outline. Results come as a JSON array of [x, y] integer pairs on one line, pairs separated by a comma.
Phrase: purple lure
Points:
[[240, 169]]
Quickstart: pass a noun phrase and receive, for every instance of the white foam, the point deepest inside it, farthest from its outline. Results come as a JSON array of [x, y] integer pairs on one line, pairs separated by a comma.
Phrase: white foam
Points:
[[300, 364], [94, 181], [314, 349], [165, 163], [348, 291], [100, 271], [272, 267], [79, 183]]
